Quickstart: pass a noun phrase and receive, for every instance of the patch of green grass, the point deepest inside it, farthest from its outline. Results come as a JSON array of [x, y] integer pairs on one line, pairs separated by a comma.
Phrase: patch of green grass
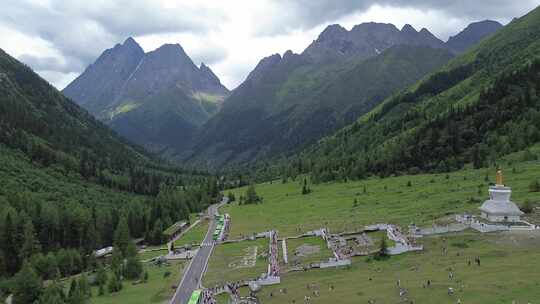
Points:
[[509, 261], [322, 255], [226, 262], [158, 289], [143, 256], [429, 198], [508, 272], [124, 108], [194, 236]]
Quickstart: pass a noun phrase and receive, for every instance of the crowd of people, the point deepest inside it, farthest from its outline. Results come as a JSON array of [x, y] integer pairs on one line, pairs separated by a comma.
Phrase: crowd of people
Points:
[[395, 234], [207, 297], [234, 289], [273, 260]]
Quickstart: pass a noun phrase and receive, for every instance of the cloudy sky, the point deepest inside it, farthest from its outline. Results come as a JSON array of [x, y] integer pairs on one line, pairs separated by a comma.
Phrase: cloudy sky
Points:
[[59, 38]]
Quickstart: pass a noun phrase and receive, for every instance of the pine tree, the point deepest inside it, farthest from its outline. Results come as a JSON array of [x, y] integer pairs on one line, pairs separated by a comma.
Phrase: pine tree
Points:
[[383, 249], [9, 245], [145, 278], [74, 293], [251, 195], [101, 276], [84, 286], [534, 186], [117, 262], [53, 294], [30, 244], [114, 284], [134, 267], [26, 286], [156, 236], [305, 188], [121, 236]]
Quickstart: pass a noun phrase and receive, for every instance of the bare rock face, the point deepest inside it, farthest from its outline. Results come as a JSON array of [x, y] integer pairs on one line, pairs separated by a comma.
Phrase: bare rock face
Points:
[[366, 40], [103, 80]]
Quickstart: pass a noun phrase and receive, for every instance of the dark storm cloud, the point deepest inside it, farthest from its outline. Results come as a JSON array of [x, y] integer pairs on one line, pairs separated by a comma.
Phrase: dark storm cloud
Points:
[[81, 30], [306, 14]]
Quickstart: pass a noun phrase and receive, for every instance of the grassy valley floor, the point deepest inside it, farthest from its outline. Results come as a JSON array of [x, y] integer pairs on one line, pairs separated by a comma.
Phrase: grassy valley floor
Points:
[[429, 198], [159, 288], [509, 269], [509, 260], [237, 261]]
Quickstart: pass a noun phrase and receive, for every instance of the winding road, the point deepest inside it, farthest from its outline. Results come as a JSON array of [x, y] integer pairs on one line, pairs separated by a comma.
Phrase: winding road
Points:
[[191, 280]]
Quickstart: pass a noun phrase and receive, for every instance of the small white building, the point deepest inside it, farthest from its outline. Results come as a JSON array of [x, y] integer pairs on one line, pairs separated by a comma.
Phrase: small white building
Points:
[[499, 208], [103, 252]]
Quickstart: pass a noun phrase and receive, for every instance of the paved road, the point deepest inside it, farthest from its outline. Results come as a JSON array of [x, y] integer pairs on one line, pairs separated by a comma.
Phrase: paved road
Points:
[[193, 275]]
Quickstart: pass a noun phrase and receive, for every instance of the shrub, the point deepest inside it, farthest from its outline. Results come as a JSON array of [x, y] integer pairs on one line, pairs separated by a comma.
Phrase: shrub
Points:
[[534, 186], [527, 207]]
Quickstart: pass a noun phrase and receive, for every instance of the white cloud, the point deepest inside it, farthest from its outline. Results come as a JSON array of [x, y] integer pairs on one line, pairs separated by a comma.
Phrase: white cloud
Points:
[[59, 38]]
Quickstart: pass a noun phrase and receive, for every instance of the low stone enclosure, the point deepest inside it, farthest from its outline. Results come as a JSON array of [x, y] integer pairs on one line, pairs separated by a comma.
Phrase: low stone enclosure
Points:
[[346, 245], [465, 221], [337, 243]]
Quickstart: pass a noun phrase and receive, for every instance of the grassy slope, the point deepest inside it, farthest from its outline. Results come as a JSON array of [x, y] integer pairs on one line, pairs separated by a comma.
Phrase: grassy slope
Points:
[[502, 277], [430, 197], [194, 236], [156, 290]]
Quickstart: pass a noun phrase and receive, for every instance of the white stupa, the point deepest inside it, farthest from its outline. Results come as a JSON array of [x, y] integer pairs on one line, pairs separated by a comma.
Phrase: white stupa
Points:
[[499, 208]]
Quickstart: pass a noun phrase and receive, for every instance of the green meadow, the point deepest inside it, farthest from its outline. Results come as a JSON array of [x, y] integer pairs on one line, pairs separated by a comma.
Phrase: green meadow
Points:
[[421, 199], [237, 261], [195, 235], [158, 289], [509, 261], [296, 256], [508, 271]]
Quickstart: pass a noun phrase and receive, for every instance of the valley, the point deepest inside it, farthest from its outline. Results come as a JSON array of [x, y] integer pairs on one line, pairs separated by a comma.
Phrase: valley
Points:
[[337, 157]]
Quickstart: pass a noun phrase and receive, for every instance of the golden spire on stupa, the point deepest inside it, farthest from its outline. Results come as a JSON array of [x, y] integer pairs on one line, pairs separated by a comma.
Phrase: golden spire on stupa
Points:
[[499, 181]]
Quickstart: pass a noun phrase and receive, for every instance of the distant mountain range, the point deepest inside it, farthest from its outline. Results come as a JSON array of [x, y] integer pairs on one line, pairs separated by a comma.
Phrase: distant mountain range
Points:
[[156, 99], [289, 102], [482, 105], [164, 102]]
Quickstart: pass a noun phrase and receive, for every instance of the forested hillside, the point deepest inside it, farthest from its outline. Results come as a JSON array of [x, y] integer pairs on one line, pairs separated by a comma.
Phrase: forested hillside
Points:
[[483, 104], [288, 103], [53, 131], [71, 186]]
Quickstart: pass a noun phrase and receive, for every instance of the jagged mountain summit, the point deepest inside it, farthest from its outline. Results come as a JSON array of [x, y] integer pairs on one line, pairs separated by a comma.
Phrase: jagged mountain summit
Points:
[[472, 34], [102, 82], [157, 99], [365, 40]]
